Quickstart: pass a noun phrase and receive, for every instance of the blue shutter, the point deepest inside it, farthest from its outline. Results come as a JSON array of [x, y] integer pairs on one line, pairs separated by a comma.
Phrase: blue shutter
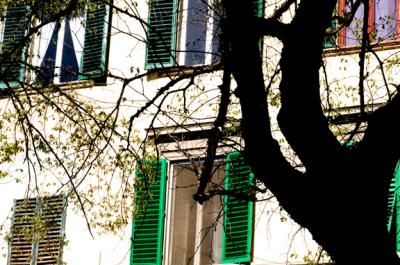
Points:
[[238, 219], [16, 25], [94, 58], [161, 34], [148, 223]]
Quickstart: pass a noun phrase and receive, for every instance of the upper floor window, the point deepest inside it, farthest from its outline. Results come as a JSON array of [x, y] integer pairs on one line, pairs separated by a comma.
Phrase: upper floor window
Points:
[[71, 49], [383, 25], [184, 32]]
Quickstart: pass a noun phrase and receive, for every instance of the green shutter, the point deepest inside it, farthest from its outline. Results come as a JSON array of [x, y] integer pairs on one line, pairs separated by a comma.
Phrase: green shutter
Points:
[[258, 7], [161, 34], [148, 224], [393, 210], [238, 218], [16, 25], [94, 58], [330, 40], [37, 231]]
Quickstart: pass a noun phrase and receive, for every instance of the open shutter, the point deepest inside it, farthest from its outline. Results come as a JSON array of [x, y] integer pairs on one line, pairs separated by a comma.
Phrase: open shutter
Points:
[[94, 58], [148, 224], [393, 210], [238, 218], [330, 39], [161, 34], [37, 231], [258, 7], [15, 27]]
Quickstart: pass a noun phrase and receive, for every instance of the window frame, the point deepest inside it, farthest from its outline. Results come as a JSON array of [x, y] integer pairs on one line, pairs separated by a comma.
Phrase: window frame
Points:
[[87, 58], [174, 47]]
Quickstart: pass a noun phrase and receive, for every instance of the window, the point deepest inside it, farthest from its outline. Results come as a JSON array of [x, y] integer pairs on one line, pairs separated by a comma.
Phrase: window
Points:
[[37, 232], [393, 210], [171, 228], [383, 24], [184, 33], [64, 51]]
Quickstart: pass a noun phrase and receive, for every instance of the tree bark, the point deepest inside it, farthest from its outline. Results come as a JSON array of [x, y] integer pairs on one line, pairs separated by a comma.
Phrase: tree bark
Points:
[[342, 196]]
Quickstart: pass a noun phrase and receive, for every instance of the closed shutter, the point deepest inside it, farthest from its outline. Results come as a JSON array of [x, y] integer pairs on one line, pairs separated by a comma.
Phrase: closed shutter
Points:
[[238, 218], [21, 244], [148, 223], [94, 58], [161, 34], [15, 27], [393, 209], [37, 231], [51, 230]]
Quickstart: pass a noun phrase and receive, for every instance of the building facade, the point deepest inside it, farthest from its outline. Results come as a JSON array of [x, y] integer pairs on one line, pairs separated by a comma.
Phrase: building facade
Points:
[[117, 57]]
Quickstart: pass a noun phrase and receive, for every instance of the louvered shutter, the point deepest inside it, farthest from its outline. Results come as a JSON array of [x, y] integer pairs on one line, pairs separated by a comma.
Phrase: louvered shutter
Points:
[[330, 40], [94, 58], [148, 223], [258, 7], [51, 230], [238, 218], [21, 244], [37, 231], [161, 34], [393, 209], [16, 25]]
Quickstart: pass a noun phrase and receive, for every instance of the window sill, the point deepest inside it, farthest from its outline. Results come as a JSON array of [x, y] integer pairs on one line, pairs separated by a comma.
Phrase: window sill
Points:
[[28, 90], [181, 70], [380, 46]]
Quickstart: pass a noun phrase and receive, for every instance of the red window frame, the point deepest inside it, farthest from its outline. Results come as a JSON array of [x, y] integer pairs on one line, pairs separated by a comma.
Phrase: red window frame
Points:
[[342, 34]]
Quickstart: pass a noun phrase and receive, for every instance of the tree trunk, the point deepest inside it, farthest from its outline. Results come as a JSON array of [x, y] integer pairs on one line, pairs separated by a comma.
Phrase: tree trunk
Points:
[[342, 196]]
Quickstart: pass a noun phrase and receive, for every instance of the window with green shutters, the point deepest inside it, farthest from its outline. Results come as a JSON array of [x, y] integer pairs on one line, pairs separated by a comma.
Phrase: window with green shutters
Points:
[[148, 223], [94, 58], [393, 210], [37, 232], [198, 32], [189, 241], [238, 220], [82, 54], [12, 57]]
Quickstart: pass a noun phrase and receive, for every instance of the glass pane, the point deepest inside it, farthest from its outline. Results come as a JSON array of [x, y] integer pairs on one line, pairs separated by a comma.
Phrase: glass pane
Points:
[[211, 228], [385, 19], [196, 29], [354, 32], [184, 217], [196, 230]]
